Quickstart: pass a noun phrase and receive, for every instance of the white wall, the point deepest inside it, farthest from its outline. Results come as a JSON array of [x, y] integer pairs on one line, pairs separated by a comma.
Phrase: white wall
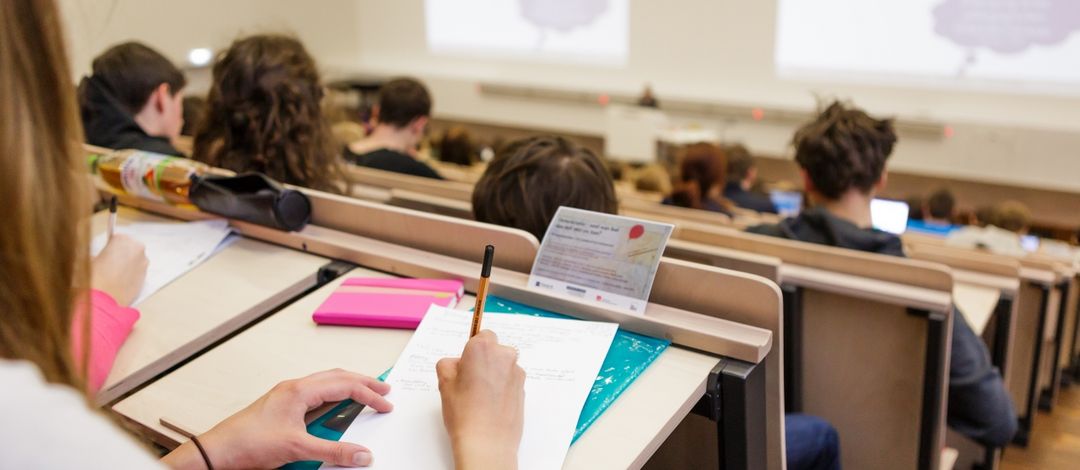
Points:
[[327, 27], [713, 50], [722, 50]]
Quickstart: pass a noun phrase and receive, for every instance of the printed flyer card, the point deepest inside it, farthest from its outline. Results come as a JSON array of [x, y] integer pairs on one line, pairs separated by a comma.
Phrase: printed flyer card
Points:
[[602, 258]]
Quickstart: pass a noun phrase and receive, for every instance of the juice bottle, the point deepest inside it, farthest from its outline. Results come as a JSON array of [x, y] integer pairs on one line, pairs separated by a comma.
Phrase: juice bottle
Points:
[[146, 174]]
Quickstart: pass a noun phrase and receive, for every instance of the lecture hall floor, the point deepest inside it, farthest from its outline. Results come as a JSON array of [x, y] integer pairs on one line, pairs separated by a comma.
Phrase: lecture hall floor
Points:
[[1055, 440]]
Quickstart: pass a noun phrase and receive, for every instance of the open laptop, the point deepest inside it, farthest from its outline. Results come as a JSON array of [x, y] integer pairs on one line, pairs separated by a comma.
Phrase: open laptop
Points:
[[788, 203], [889, 216]]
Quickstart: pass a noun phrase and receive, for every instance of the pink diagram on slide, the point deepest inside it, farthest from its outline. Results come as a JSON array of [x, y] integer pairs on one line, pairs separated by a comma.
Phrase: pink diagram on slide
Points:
[[1005, 26]]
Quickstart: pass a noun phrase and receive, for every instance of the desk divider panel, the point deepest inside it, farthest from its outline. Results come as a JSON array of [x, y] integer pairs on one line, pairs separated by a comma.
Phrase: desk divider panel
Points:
[[1049, 335], [697, 288], [862, 381], [846, 373], [1045, 313], [989, 270]]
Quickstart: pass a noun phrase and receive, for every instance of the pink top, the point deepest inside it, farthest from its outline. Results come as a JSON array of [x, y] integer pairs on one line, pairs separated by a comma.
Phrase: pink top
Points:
[[110, 325]]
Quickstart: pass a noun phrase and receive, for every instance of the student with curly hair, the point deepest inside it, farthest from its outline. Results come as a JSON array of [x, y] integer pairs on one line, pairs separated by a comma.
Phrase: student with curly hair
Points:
[[263, 114]]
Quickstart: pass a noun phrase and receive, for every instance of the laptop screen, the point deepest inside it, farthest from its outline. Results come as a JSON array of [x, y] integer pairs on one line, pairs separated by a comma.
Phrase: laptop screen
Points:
[[889, 216], [788, 203]]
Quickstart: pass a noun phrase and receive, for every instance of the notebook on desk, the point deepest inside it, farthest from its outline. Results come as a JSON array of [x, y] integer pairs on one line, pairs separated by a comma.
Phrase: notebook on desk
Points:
[[629, 356], [386, 302]]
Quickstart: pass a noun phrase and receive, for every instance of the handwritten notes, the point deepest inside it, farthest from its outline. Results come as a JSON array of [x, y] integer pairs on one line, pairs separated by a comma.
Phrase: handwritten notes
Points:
[[560, 357], [172, 248]]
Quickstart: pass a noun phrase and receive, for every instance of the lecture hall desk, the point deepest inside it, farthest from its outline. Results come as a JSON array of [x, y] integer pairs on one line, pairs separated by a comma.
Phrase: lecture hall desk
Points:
[[289, 345], [237, 285]]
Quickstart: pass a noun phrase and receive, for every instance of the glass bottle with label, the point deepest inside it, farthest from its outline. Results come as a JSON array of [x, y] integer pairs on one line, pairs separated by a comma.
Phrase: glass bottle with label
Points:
[[146, 174]]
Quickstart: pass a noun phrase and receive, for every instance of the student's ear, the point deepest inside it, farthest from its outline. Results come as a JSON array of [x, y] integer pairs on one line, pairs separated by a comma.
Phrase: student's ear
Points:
[[882, 182], [808, 185], [374, 119], [419, 124], [159, 98]]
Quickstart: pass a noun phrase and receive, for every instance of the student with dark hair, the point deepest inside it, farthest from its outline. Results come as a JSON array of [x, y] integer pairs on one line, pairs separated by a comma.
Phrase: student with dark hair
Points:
[[264, 114], [941, 207], [915, 207], [194, 108], [457, 147], [133, 99], [741, 176], [938, 212], [531, 178], [842, 154], [702, 174], [400, 116]]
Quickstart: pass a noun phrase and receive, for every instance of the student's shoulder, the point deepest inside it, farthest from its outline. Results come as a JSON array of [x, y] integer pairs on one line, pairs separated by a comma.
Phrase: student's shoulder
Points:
[[772, 230], [42, 417], [146, 143]]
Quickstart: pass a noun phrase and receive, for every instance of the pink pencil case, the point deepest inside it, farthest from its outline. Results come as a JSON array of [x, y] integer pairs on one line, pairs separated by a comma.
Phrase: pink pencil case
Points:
[[386, 302]]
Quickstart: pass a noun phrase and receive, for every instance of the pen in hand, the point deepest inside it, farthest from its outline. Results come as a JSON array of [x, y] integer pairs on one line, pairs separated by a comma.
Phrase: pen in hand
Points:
[[112, 219], [481, 291]]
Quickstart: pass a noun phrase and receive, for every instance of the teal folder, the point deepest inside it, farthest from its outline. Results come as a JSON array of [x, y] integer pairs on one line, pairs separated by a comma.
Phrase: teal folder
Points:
[[630, 354]]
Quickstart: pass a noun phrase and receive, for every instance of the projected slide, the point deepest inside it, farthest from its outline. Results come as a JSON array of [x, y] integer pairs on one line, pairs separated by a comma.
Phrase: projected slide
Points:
[[581, 31], [1007, 45]]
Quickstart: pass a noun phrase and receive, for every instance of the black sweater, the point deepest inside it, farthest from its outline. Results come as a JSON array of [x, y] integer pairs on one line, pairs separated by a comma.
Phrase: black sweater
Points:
[[392, 160], [979, 406]]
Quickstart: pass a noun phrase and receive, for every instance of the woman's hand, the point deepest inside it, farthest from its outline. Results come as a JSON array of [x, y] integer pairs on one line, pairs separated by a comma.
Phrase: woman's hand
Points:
[[483, 403], [120, 269], [271, 432]]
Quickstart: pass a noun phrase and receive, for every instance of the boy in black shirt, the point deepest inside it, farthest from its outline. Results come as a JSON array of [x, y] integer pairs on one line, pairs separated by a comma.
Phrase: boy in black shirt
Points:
[[401, 116]]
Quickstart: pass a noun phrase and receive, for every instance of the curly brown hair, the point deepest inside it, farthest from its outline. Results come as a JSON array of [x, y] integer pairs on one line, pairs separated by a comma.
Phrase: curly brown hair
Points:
[[264, 114], [530, 178], [844, 148]]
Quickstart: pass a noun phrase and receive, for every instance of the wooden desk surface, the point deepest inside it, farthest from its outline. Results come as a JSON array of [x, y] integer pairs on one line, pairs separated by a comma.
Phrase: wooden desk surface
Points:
[[976, 303], [288, 344], [240, 283]]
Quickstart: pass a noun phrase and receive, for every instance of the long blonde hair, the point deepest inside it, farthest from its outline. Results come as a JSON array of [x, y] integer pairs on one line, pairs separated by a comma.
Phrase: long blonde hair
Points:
[[43, 238]]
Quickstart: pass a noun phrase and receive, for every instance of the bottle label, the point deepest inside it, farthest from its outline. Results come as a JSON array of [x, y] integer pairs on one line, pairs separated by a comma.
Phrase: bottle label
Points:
[[140, 172]]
